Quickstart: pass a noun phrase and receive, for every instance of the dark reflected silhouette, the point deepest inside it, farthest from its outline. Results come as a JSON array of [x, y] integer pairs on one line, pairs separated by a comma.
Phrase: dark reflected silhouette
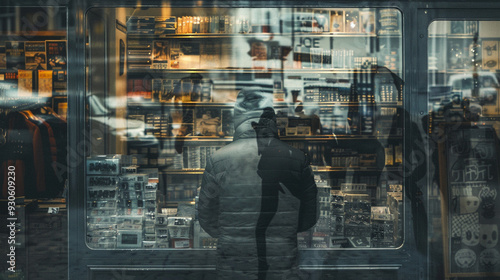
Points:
[[256, 194], [185, 90]]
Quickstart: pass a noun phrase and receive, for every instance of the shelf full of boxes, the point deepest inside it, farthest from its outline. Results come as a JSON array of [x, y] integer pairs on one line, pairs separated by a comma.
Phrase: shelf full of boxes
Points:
[[183, 74], [34, 67]]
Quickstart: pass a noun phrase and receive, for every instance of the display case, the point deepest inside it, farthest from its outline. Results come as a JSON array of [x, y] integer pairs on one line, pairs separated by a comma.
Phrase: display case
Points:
[[157, 101], [335, 78]]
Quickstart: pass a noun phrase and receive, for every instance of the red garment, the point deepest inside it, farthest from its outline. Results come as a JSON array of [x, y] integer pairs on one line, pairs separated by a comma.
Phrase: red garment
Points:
[[24, 152]]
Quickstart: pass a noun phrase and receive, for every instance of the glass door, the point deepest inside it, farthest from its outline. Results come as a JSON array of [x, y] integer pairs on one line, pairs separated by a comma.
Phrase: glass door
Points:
[[464, 127]]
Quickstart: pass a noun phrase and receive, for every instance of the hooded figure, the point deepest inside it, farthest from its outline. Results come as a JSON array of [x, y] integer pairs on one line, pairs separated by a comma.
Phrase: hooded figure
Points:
[[256, 194]]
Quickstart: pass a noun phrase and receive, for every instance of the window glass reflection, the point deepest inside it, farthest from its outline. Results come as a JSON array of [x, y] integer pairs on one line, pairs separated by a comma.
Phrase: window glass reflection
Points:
[[164, 105], [464, 128]]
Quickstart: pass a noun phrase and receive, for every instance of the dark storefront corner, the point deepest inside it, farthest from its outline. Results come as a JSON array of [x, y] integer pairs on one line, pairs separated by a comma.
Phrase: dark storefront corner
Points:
[[249, 139]]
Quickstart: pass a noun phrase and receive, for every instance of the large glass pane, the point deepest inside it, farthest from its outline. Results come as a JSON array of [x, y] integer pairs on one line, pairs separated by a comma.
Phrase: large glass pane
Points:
[[162, 85], [33, 141], [464, 126]]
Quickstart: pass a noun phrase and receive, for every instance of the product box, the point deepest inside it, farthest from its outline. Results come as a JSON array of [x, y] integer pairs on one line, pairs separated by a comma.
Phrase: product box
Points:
[[321, 21], [103, 165], [45, 85], [357, 203], [258, 53], [56, 54], [101, 242], [180, 232], [162, 238], [339, 242], [490, 55], [351, 21], [14, 51], [304, 239], [381, 213], [208, 122], [180, 227], [320, 240], [161, 54], [227, 122], [359, 242], [353, 188], [202, 239], [3, 58], [141, 25], [338, 222], [389, 22], [139, 54], [165, 25], [129, 239], [26, 83], [337, 21], [35, 57], [367, 22], [101, 191], [189, 57], [60, 82], [303, 20], [129, 222], [210, 55], [337, 198]]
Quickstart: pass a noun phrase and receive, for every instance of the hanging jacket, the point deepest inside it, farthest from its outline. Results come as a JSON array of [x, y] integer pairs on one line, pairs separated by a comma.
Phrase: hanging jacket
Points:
[[24, 151], [55, 161], [256, 194]]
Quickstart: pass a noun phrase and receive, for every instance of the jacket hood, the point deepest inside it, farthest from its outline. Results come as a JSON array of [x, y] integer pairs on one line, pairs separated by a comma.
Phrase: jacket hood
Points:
[[253, 107]]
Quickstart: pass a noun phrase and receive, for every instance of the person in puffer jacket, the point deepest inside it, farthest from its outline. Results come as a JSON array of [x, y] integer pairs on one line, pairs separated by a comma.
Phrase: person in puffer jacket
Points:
[[257, 193]]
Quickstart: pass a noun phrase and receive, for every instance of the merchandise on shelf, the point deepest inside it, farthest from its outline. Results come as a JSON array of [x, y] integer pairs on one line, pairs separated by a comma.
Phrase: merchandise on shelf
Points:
[[121, 204], [338, 103]]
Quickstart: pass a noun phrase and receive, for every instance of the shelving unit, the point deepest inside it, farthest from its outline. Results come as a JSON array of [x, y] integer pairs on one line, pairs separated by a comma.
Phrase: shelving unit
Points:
[[338, 96]]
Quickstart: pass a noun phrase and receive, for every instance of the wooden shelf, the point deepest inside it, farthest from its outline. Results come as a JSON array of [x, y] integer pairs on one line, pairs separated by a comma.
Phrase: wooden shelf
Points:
[[356, 169], [451, 36], [283, 138], [314, 168], [160, 72], [259, 35], [28, 35], [146, 104]]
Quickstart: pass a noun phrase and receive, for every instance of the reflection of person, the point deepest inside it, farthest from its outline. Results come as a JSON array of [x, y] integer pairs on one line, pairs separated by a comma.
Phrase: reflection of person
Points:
[[256, 194]]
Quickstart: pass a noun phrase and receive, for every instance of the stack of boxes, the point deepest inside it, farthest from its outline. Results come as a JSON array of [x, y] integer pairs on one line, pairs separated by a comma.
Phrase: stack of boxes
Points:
[[382, 227], [139, 54], [321, 231], [122, 212], [121, 205], [143, 25], [161, 230], [202, 239], [357, 206], [102, 199], [180, 232], [172, 231], [338, 218], [395, 202], [165, 25]]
